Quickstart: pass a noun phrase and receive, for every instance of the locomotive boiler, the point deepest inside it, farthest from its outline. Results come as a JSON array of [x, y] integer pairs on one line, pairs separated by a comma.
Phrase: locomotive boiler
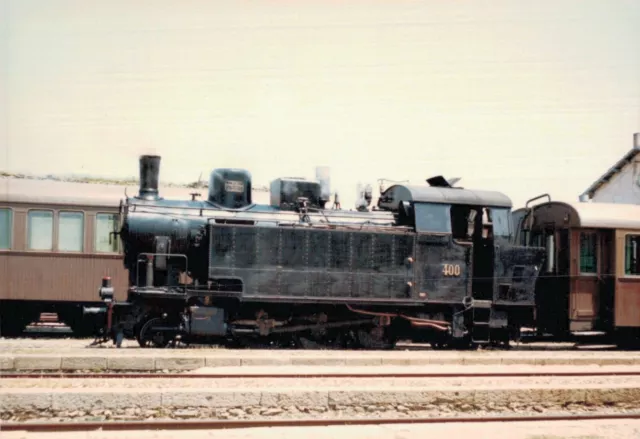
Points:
[[429, 263]]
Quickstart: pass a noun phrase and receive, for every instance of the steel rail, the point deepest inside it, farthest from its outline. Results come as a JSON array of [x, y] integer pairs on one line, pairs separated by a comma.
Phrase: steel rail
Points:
[[254, 423], [188, 375]]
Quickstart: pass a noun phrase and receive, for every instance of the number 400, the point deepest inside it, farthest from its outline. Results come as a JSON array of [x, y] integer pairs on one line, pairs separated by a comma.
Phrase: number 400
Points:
[[451, 270]]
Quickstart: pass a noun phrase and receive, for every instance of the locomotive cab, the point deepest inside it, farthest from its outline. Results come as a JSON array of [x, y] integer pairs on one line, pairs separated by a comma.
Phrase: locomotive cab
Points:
[[464, 255]]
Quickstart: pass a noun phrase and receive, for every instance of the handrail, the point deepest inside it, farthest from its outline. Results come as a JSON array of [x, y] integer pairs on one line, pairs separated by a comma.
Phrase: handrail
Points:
[[248, 209], [537, 198], [529, 216]]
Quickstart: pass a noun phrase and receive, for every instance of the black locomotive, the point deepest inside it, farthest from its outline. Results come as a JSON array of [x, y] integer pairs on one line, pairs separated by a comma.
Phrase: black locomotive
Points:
[[429, 263]]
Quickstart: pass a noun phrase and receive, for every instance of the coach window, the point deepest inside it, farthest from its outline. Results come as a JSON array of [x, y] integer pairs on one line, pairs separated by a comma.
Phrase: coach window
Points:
[[40, 230], [432, 218], [537, 238], [71, 232], [588, 253], [632, 255], [105, 223], [6, 216]]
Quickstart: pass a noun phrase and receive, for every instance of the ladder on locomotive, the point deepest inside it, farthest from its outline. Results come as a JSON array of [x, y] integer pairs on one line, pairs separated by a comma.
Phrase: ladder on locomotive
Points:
[[481, 311], [480, 331]]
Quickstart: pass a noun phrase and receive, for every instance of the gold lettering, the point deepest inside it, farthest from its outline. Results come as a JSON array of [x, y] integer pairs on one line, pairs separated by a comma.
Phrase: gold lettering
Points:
[[451, 270]]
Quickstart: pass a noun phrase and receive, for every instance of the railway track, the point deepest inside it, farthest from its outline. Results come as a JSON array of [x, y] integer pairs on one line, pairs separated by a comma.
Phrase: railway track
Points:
[[254, 423], [469, 374]]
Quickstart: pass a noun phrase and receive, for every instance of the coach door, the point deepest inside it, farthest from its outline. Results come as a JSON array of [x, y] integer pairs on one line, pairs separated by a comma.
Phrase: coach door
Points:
[[553, 285], [607, 280], [585, 272]]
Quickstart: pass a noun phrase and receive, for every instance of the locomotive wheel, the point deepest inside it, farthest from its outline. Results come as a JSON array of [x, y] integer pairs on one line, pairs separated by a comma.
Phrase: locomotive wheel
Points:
[[448, 343], [376, 338], [147, 337], [439, 345], [440, 341]]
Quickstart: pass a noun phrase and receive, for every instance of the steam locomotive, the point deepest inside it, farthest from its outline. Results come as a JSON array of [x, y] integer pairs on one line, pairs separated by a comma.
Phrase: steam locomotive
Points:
[[430, 263]]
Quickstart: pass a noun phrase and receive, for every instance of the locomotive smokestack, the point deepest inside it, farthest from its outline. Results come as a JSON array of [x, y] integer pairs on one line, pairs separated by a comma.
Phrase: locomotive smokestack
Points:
[[149, 172]]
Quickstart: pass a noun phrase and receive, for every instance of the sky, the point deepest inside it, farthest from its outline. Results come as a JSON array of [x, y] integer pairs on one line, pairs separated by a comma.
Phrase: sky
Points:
[[517, 96]]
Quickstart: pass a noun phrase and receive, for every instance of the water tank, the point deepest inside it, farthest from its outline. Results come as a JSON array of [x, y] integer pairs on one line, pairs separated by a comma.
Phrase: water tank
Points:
[[230, 188], [285, 193]]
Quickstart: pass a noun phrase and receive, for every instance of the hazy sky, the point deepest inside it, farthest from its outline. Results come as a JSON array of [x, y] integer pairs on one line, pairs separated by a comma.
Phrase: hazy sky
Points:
[[520, 96]]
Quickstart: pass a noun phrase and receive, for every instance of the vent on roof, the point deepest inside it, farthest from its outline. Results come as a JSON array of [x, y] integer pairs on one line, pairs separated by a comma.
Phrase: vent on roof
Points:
[[440, 181]]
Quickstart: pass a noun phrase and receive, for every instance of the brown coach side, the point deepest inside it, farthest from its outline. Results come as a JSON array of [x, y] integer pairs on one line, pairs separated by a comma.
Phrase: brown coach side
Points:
[[54, 244]]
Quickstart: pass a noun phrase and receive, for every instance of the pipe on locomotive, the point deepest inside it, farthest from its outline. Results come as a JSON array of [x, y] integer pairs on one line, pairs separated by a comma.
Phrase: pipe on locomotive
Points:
[[415, 321], [149, 177]]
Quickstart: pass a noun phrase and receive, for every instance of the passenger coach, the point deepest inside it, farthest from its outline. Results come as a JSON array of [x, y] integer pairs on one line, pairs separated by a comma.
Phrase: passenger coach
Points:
[[592, 278]]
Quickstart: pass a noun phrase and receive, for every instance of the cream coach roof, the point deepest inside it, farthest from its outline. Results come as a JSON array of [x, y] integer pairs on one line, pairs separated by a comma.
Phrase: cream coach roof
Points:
[[17, 190], [589, 215]]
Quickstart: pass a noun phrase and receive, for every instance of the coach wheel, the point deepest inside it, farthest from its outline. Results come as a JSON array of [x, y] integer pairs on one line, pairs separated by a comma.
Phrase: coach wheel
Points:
[[81, 326], [147, 337], [13, 323], [627, 339], [11, 327]]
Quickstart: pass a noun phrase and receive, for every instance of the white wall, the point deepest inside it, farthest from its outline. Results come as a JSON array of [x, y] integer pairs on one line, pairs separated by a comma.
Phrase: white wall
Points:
[[623, 188]]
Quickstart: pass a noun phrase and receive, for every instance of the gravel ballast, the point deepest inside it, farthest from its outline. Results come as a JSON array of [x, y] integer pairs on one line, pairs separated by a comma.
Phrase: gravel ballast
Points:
[[140, 402]]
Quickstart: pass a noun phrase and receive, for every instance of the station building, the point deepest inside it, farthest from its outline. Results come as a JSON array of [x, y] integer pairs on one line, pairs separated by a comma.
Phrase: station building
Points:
[[621, 183]]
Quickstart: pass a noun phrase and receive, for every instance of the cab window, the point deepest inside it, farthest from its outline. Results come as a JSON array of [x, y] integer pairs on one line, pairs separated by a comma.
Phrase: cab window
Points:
[[501, 219], [432, 218]]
